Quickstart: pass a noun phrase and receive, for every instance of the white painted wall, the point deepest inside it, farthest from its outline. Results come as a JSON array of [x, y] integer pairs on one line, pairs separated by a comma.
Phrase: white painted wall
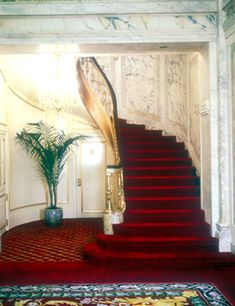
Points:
[[26, 193], [3, 160], [27, 196]]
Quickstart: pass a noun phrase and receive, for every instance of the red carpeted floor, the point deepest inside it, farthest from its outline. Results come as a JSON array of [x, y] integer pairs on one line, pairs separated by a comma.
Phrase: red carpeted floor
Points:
[[21, 265], [164, 237], [36, 242]]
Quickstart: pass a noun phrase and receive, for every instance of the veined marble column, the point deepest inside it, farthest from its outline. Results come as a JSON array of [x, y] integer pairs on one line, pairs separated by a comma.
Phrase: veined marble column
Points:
[[223, 225], [229, 28]]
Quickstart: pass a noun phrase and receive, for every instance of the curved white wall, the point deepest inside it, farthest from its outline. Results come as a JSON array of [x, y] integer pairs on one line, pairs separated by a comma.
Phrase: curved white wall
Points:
[[3, 160], [27, 196], [26, 193]]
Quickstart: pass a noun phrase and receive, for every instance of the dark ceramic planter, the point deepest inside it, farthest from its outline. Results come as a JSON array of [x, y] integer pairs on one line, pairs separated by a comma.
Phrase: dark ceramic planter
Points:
[[53, 216]]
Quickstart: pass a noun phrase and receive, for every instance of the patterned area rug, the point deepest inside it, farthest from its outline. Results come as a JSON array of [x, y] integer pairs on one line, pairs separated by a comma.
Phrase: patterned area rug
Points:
[[172, 294]]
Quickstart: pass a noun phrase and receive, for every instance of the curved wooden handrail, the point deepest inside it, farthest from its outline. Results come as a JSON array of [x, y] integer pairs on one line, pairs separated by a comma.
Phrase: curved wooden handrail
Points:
[[115, 109], [97, 111], [106, 118]]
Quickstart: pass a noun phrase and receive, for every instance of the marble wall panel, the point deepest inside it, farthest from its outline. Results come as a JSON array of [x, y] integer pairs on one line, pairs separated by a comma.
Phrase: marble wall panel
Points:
[[176, 90], [204, 74], [213, 100], [194, 130], [107, 63], [97, 82], [206, 165], [160, 91], [205, 136], [233, 117], [141, 83]]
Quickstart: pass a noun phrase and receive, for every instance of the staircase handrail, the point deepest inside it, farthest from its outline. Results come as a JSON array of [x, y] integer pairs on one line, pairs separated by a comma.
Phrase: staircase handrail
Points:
[[115, 109], [109, 127], [95, 108]]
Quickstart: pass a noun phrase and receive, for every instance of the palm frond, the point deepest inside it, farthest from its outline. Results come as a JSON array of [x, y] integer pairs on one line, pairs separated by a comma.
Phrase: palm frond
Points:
[[49, 148]]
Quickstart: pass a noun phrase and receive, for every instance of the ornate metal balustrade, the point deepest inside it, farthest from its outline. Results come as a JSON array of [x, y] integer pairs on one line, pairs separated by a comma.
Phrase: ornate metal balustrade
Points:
[[99, 99]]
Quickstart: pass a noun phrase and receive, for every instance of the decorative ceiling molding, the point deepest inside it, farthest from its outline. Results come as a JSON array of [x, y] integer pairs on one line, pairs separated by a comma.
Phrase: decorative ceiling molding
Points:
[[97, 7]]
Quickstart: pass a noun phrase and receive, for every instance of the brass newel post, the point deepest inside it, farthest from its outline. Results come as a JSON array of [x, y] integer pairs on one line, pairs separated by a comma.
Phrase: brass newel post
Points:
[[108, 228]]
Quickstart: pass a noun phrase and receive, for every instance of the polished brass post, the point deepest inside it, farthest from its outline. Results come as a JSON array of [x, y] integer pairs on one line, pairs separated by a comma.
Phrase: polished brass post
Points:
[[108, 228], [122, 202]]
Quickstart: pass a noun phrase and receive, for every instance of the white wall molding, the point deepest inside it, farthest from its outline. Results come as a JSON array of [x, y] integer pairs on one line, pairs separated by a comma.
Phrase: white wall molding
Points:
[[33, 205], [26, 214]]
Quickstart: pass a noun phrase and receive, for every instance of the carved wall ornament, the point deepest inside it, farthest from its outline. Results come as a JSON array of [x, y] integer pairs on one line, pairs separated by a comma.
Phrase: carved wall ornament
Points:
[[204, 108], [179, 139], [164, 133]]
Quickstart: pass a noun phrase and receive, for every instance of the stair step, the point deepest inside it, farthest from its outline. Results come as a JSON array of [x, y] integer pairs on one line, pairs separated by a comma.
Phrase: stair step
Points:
[[161, 190], [142, 137], [140, 130], [132, 127], [159, 261], [169, 202], [158, 244], [154, 215], [153, 145], [163, 229], [143, 180], [154, 162], [157, 153], [157, 171]]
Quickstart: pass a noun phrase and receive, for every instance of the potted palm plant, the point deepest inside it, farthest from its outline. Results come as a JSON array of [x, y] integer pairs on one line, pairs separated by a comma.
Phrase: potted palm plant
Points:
[[50, 149]]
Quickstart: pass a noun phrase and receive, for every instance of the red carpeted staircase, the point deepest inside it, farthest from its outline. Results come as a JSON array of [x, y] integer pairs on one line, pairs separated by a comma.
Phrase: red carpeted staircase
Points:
[[164, 226]]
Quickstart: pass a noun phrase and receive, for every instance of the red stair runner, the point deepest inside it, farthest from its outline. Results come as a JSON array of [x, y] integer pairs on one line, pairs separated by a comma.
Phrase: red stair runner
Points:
[[164, 226]]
